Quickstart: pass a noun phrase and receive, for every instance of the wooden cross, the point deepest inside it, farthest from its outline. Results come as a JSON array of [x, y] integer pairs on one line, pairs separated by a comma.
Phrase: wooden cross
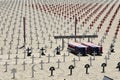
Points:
[[79, 56], [56, 41], [46, 30], [57, 29], [33, 71], [33, 59], [58, 63], [41, 64], [53, 33], [43, 40], [42, 33], [64, 57], [24, 54], [106, 59], [49, 36], [18, 40], [90, 61], [48, 58], [51, 44], [109, 55], [9, 55], [10, 44], [1, 50], [31, 40], [13, 71], [38, 43], [17, 50], [64, 33], [74, 61], [5, 41], [94, 55], [6, 66], [16, 58], [24, 65], [68, 30]]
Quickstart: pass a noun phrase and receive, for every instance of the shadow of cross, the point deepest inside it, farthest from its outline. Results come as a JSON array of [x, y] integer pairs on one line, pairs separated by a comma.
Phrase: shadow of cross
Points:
[[52, 69], [87, 66], [13, 71], [71, 67], [103, 65], [118, 66]]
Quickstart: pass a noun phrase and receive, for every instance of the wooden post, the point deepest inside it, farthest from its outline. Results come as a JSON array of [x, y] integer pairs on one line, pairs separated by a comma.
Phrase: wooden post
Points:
[[75, 27], [24, 35]]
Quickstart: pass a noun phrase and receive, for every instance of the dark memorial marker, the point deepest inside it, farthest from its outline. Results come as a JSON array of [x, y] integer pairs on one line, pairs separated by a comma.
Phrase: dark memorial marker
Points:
[[71, 67], [42, 51], [58, 50], [29, 52], [118, 66], [103, 65], [87, 66], [52, 69]]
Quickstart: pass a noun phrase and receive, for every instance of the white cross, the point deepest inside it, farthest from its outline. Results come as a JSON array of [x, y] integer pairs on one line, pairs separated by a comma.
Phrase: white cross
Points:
[[90, 61], [106, 59], [64, 57], [94, 56], [79, 56]]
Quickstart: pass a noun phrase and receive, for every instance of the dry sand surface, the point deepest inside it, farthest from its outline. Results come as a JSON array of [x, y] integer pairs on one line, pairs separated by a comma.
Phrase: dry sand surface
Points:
[[45, 19]]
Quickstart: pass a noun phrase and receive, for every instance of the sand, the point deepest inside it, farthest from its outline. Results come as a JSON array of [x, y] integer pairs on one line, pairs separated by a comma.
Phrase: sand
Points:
[[42, 26]]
